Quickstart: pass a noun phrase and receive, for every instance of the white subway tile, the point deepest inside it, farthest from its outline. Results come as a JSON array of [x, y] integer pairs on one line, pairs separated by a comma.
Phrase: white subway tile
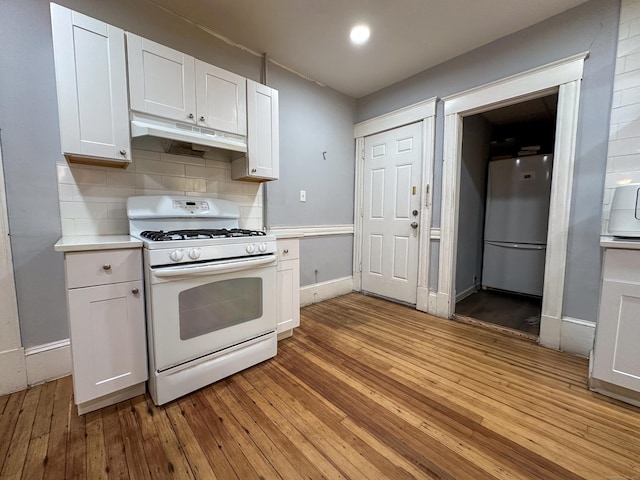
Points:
[[150, 191], [624, 30], [66, 192], [621, 178], [67, 226], [185, 184], [632, 62], [202, 194], [608, 196], [196, 171], [621, 65], [626, 80], [250, 223], [628, 46], [77, 176], [144, 165], [168, 157], [145, 154], [240, 188], [625, 163], [110, 226], [87, 193], [629, 10], [616, 100], [630, 96], [626, 146], [147, 181], [243, 200], [82, 210], [220, 156], [122, 179], [251, 212], [213, 186], [627, 130], [117, 210], [625, 114]]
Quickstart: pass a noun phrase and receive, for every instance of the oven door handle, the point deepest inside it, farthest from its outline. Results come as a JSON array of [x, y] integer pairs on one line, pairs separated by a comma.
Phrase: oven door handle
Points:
[[226, 267]]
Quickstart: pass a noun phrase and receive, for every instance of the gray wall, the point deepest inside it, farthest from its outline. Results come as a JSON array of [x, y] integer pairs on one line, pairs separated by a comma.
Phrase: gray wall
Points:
[[313, 119], [476, 135], [591, 27]]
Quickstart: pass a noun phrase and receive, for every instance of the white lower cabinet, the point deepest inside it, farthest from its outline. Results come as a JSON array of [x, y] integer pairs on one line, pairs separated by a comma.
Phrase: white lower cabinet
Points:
[[106, 325], [288, 287], [615, 356]]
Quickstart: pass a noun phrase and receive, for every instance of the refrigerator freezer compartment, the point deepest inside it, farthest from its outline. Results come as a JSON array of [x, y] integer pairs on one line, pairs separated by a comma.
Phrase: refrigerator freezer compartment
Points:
[[514, 267]]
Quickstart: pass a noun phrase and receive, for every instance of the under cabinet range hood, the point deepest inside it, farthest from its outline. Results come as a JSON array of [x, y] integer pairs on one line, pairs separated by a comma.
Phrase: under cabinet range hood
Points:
[[146, 125]]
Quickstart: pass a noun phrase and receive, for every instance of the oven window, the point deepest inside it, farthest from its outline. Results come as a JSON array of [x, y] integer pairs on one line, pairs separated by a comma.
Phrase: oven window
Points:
[[214, 306]]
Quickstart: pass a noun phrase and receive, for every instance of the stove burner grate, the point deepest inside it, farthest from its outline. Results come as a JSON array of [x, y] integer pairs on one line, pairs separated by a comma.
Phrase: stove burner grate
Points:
[[193, 234]]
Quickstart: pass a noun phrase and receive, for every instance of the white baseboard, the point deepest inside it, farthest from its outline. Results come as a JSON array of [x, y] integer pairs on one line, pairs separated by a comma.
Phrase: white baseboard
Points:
[[433, 303], [318, 292], [550, 331], [577, 336], [464, 294], [48, 362], [13, 372], [422, 301]]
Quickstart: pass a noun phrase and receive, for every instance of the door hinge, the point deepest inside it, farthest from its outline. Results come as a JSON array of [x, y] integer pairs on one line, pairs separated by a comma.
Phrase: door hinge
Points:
[[363, 154]]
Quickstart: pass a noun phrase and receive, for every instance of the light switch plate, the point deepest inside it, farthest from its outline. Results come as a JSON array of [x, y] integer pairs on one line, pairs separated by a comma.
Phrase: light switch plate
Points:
[[303, 195]]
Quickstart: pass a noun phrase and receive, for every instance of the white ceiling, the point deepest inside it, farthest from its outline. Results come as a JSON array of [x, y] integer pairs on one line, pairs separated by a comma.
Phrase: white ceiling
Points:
[[311, 37]]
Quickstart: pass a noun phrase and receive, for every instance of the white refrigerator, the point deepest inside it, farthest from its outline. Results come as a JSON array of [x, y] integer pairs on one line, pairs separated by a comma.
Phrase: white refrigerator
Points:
[[516, 220]]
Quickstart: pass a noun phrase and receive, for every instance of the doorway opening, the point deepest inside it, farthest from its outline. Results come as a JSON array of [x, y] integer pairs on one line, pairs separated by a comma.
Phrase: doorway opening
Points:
[[505, 185]]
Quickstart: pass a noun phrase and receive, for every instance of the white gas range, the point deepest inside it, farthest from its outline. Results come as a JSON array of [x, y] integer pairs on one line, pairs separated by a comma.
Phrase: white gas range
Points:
[[210, 291]]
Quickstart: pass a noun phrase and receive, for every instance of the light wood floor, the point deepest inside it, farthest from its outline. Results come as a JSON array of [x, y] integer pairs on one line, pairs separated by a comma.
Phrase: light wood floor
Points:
[[365, 389]]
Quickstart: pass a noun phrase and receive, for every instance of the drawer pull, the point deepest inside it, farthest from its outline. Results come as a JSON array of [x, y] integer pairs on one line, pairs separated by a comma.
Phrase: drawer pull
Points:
[[135, 291], [106, 267], [285, 251]]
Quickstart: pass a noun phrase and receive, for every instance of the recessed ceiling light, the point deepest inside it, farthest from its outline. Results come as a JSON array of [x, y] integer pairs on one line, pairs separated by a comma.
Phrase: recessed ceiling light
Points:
[[359, 34]]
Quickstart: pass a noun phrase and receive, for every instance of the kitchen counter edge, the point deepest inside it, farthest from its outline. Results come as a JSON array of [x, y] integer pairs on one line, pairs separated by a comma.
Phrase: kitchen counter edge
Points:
[[83, 243]]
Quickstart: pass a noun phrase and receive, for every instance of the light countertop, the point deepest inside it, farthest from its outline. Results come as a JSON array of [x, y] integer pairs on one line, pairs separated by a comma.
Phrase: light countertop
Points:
[[623, 243], [81, 243]]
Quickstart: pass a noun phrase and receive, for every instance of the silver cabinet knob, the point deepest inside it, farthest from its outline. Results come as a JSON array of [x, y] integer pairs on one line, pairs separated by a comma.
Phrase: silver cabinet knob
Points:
[[414, 225], [123, 152], [106, 267], [285, 251], [202, 119], [190, 115], [135, 291], [253, 170]]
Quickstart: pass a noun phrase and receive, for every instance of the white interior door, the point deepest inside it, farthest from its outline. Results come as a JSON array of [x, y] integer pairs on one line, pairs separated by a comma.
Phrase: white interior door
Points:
[[391, 212]]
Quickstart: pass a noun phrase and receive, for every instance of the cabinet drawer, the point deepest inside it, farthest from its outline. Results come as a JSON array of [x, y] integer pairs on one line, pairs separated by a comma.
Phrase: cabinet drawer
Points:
[[85, 269], [288, 249]]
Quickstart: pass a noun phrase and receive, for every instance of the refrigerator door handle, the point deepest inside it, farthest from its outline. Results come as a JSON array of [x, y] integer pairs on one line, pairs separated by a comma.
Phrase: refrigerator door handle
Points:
[[521, 246]]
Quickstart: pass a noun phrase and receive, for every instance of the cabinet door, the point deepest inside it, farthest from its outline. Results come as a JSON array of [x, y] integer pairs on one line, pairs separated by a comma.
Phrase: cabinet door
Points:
[[263, 144], [618, 335], [288, 285], [161, 80], [108, 343], [91, 82], [221, 99]]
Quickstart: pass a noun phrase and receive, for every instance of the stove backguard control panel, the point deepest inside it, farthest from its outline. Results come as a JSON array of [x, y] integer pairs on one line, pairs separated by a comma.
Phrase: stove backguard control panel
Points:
[[191, 205]]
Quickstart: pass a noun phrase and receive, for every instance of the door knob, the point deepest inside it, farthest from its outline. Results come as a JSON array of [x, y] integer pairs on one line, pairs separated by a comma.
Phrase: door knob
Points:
[[414, 225]]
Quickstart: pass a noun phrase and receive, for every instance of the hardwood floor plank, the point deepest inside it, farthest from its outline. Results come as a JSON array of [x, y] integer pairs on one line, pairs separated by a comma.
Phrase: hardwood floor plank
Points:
[[76, 446], [16, 455], [96, 449], [195, 456], [8, 423], [133, 442], [177, 463], [55, 462], [364, 389], [116, 460]]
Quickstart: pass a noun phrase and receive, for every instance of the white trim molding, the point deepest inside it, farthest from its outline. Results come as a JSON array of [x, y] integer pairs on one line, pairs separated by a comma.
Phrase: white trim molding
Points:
[[577, 336], [403, 116], [48, 362], [318, 292], [564, 77], [423, 112], [13, 371], [312, 230]]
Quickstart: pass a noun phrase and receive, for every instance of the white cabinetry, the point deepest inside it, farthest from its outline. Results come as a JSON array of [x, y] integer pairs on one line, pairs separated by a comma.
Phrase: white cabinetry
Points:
[[91, 82], [615, 356], [170, 84], [106, 325], [288, 287], [263, 136]]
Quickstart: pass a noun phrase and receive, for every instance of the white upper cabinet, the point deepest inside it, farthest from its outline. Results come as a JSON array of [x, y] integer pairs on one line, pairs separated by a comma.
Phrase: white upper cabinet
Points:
[[170, 84], [91, 82], [263, 145], [221, 99], [161, 80]]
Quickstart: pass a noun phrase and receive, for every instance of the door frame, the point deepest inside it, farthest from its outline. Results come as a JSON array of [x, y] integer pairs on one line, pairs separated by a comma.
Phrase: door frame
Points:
[[425, 113], [564, 77]]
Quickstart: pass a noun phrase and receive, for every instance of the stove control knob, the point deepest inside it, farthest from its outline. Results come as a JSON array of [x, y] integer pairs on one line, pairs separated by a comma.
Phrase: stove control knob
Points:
[[194, 253], [251, 248], [176, 255], [262, 247]]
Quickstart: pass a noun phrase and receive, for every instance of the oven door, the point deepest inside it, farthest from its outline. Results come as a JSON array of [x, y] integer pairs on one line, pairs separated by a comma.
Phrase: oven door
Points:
[[199, 309]]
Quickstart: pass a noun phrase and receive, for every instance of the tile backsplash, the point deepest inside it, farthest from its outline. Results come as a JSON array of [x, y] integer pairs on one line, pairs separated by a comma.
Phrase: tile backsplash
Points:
[[93, 199], [623, 159]]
